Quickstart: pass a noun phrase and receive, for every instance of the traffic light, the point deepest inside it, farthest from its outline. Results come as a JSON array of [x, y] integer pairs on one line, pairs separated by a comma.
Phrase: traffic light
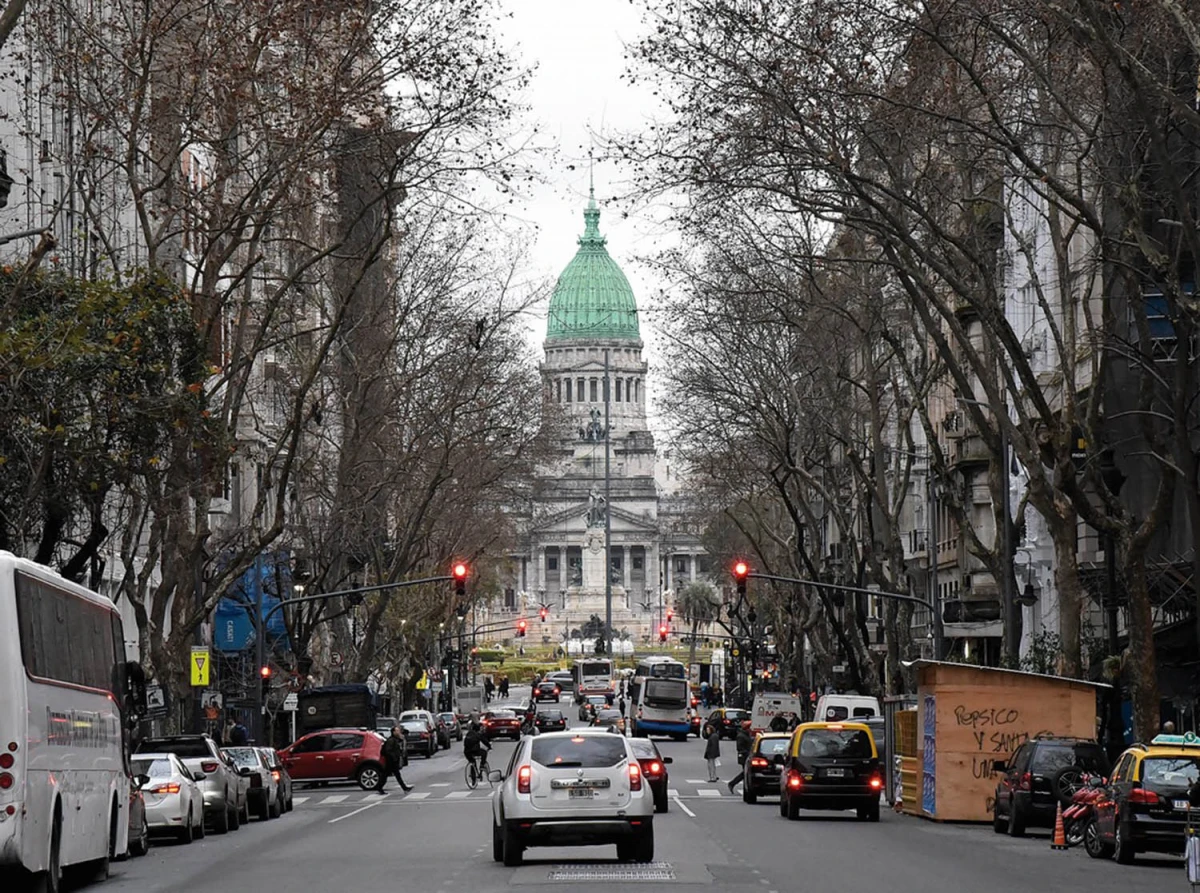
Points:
[[459, 572], [670, 614], [521, 624], [741, 571], [543, 612], [264, 680], [662, 633]]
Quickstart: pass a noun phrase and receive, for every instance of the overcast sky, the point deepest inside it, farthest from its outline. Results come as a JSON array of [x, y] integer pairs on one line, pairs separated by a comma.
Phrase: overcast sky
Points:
[[578, 91]]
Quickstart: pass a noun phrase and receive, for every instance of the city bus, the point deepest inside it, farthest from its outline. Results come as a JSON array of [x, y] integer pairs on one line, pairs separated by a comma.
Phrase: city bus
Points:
[[66, 699], [659, 698], [593, 676]]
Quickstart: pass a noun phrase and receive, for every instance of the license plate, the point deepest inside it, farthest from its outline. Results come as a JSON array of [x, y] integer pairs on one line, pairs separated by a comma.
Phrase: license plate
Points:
[[581, 794], [1180, 804], [835, 773]]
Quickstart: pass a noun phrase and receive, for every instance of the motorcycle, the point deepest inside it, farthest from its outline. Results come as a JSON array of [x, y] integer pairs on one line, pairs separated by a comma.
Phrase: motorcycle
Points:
[[1082, 809]]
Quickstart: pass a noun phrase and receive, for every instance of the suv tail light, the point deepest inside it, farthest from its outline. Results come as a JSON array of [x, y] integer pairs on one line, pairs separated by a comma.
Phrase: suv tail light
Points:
[[654, 768], [1143, 797], [208, 767], [1026, 781], [759, 763], [876, 782], [524, 777], [635, 777], [794, 780]]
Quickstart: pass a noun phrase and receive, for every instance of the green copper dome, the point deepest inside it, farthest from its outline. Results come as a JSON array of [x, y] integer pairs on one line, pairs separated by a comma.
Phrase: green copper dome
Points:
[[592, 299]]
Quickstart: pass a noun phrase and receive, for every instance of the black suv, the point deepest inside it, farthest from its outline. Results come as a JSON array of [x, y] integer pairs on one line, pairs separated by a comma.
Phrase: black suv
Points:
[[547, 690], [1043, 772]]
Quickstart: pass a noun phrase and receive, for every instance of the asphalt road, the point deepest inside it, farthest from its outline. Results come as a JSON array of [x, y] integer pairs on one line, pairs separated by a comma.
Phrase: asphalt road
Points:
[[438, 839]]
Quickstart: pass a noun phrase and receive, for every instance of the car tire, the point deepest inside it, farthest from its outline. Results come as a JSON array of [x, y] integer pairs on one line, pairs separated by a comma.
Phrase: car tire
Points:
[[185, 834], [1123, 850], [369, 776], [869, 813], [999, 823], [1093, 845], [264, 811], [142, 845], [221, 821], [642, 848], [1016, 824], [514, 852], [793, 810], [748, 795], [276, 807], [660, 802], [497, 843], [290, 804], [783, 805], [200, 832], [235, 819], [244, 814]]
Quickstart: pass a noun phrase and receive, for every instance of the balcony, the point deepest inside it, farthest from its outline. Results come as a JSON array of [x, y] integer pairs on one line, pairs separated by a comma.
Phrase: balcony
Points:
[[916, 544], [971, 449]]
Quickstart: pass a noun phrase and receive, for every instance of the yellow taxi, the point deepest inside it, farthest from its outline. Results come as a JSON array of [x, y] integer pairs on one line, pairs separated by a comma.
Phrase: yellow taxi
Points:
[[831, 765], [1146, 803]]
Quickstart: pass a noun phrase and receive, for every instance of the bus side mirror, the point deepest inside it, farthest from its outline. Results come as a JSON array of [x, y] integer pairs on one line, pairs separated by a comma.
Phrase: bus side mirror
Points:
[[135, 687]]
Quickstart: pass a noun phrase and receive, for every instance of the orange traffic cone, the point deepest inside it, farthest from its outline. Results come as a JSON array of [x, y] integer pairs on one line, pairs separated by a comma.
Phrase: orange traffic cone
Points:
[[1059, 841]]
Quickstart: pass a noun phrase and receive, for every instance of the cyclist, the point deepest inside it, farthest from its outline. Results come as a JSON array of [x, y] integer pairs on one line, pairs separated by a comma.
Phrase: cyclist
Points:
[[475, 749]]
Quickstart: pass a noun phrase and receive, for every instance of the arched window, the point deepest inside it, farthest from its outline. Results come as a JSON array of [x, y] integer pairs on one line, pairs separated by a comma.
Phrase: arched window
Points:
[[618, 395], [595, 391]]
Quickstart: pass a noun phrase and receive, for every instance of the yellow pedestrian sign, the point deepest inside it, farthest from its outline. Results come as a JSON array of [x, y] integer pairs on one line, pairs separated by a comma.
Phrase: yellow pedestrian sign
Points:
[[200, 664], [423, 682]]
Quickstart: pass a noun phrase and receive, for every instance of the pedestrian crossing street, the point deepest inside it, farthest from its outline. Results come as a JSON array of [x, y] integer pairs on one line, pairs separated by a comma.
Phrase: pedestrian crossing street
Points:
[[687, 790]]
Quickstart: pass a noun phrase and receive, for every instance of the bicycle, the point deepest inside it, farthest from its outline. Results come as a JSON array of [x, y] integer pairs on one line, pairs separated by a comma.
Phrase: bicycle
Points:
[[476, 770]]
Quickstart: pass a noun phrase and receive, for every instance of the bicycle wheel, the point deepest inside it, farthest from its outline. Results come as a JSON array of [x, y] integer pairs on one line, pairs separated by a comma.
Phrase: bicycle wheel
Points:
[[472, 775]]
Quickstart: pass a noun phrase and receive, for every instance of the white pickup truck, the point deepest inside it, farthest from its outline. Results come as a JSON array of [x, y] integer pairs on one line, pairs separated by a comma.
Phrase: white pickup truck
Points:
[[770, 704]]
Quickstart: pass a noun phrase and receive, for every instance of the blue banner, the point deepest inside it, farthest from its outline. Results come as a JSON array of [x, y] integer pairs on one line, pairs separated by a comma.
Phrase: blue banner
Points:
[[233, 628]]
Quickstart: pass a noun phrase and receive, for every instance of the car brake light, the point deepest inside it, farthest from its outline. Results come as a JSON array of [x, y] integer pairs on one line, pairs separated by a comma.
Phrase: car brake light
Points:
[[1026, 781], [275, 774], [6, 781], [759, 763], [876, 782], [654, 768], [6, 761], [1142, 796], [165, 789], [635, 777], [524, 777], [794, 780], [208, 767]]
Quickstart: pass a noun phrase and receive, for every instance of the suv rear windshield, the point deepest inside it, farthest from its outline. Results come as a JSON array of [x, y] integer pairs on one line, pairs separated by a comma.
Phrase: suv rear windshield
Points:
[[736, 714], [583, 751], [551, 714], [184, 748], [243, 758], [1170, 772], [852, 743], [1049, 759], [768, 747], [153, 768]]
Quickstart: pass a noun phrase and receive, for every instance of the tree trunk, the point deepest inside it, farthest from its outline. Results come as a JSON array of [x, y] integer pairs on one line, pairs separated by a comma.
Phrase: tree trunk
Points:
[[1066, 581], [1140, 661]]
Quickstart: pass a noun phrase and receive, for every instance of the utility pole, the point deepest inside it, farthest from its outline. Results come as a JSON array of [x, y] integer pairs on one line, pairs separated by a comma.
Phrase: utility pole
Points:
[[607, 515], [260, 641], [1012, 641], [931, 549]]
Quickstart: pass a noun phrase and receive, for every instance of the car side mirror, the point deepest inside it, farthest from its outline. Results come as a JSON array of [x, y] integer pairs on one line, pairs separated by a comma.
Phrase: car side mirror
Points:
[[668, 760], [246, 772], [999, 766], [198, 776], [779, 759], [141, 780], [495, 776]]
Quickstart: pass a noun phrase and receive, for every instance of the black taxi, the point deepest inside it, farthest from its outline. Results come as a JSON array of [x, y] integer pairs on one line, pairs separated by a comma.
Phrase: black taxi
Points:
[[762, 768], [831, 765]]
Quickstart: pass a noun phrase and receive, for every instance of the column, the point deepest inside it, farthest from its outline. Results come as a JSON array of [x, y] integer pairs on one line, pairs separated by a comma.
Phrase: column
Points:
[[626, 554], [692, 567], [668, 570]]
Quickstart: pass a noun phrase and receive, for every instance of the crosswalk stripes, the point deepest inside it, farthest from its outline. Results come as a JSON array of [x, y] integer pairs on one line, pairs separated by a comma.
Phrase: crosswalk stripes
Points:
[[417, 795], [458, 795], [297, 801], [707, 792], [335, 798]]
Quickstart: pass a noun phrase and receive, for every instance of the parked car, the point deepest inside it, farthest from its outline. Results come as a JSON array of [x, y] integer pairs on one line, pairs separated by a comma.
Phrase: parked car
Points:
[[550, 721], [336, 755], [419, 737], [174, 802], [609, 718], [1043, 773], [590, 705], [225, 803], [728, 720], [835, 708], [385, 724], [831, 766], [654, 769], [500, 723], [576, 788], [547, 690], [139, 828], [443, 731], [430, 721], [764, 765], [1146, 810], [453, 726], [283, 779], [264, 787]]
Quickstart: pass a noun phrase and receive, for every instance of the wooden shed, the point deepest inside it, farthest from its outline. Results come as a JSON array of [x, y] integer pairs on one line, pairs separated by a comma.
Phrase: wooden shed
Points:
[[968, 717]]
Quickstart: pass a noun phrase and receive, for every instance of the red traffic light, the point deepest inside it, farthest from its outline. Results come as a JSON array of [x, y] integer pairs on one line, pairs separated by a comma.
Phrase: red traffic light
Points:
[[543, 612], [265, 672], [670, 614], [521, 627], [460, 571], [662, 633], [741, 570]]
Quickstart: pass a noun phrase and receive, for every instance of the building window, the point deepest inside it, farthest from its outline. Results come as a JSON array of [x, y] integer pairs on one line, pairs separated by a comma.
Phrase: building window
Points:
[[638, 561], [558, 389], [552, 562], [637, 390], [595, 390], [618, 397], [579, 390], [681, 565], [567, 389]]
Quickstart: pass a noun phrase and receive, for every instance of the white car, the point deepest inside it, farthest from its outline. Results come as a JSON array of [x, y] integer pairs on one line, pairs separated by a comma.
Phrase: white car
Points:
[[174, 801], [579, 788], [422, 716], [263, 794]]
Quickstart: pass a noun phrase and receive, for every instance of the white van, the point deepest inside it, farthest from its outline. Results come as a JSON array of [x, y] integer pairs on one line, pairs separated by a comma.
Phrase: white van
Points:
[[839, 708], [768, 705]]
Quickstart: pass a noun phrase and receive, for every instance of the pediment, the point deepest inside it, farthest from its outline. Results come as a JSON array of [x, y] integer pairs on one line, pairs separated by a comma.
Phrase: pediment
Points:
[[573, 519]]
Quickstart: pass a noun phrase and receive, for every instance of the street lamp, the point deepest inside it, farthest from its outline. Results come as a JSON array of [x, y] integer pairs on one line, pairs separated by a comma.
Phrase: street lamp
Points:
[[1028, 597]]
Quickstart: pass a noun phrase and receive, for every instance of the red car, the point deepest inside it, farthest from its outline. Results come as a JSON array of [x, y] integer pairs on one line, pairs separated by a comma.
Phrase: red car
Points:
[[336, 755], [501, 723]]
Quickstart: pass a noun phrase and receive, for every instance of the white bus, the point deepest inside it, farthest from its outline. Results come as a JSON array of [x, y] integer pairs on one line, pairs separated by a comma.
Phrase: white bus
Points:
[[64, 700], [659, 695], [593, 676]]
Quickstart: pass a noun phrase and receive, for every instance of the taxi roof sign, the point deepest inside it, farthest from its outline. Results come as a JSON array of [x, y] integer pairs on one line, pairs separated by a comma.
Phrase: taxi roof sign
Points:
[[1188, 739]]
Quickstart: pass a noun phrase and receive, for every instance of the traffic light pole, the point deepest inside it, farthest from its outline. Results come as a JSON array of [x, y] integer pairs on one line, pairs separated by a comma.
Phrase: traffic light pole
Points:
[[608, 651]]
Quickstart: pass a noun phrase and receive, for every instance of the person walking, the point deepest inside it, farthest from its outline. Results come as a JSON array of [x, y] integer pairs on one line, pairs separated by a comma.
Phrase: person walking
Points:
[[712, 751], [744, 745], [395, 756]]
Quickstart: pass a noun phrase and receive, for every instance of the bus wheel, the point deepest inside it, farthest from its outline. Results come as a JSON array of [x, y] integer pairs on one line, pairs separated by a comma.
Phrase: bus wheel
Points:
[[50, 880]]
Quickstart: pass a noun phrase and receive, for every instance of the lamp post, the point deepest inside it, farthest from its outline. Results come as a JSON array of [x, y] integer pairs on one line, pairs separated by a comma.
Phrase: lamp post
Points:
[[607, 514]]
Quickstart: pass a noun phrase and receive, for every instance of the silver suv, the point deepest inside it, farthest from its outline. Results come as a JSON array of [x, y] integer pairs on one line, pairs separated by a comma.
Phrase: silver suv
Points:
[[578, 788], [225, 800]]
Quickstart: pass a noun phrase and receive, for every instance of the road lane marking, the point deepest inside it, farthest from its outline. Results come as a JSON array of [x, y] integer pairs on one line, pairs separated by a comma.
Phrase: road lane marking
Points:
[[360, 809], [296, 801], [335, 798], [697, 781], [440, 784], [672, 792], [458, 795], [679, 803], [708, 792], [420, 795]]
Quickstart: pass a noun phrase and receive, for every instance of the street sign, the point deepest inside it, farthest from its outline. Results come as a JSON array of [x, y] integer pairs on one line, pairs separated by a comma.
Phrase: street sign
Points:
[[435, 686], [423, 682], [200, 664], [839, 668], [335, 658], [291, 703], [156, 701]]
